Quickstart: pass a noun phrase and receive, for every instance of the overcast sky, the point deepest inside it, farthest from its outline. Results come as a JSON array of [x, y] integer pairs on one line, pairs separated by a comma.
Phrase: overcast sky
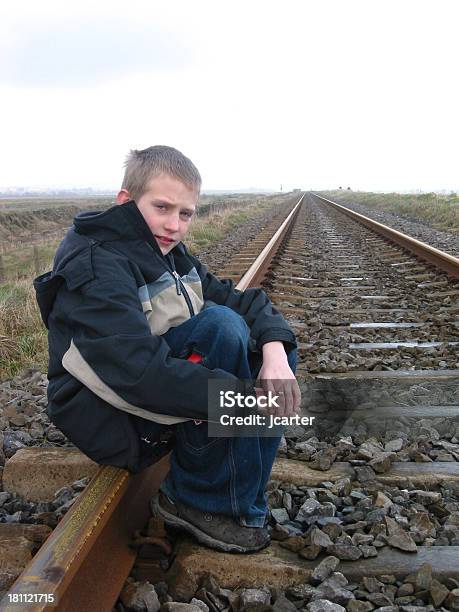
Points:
[[307, 93]]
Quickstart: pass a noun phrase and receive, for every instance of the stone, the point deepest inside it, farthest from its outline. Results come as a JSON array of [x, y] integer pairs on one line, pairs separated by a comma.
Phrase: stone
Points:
[[332, 530], [280, 515], [424, 577], [450, 583], [320, 538], [372, 584], [438, 592], [405, 589], [310, 552], [323, 605], [356, 605], [368, 551], [376, 516], [310, 508], [364, 473], [358, 495], [422, 523], [255, 599], [323, 459], [362, 538], [265, 568], [426, 497], [394, 445], [140, 596], [34, 533], [19, 420], [295, 543], [282, 604], [279, 532], [200, 604], [369, 449], [398, 538], [379, 599], [328, 510], [335, 593], [344, 539], [354, 527], [173, 606], [37, 473], [452, 600], [15, 553], [381, 463], [325, 568], [4, 497], [293, 528], [343, 486], [11, 444], [345, 443], [336, 579], [324, 495], [293, 432], [275, 499], [329, 520], [287, 501], [301, 592], [388, 579], [382, 501], [345, 552], [282, 448], [306, 450]]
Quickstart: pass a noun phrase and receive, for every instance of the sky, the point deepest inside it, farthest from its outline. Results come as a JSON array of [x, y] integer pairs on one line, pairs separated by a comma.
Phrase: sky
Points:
[[259, 94]]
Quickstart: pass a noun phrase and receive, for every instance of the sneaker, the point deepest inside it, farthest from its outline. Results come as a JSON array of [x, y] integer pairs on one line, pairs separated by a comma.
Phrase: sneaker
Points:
[[213, 530]]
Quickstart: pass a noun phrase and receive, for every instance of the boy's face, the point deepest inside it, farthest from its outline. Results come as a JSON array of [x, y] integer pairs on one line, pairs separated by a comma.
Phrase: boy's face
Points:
[[167, 206]]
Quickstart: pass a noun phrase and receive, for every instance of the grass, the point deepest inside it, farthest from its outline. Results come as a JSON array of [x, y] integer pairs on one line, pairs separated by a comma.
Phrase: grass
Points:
[[23, 337], [440, 211], [42, 203], [212, 228], [25, 261]]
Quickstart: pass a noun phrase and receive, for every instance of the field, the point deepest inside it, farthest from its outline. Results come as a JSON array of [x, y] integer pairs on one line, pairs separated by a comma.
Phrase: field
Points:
[[33, 235], [440, 211]]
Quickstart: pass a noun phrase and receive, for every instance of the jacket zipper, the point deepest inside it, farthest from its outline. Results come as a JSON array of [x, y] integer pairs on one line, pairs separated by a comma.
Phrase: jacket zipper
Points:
[[179, 285], [177, 282]]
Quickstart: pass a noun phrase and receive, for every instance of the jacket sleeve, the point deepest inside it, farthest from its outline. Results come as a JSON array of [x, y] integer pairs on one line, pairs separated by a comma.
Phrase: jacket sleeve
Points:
[[265, 322], [113, 351]]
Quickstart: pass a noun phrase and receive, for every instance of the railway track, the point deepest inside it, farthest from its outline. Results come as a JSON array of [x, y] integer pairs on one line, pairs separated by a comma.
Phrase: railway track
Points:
[[379, 368]]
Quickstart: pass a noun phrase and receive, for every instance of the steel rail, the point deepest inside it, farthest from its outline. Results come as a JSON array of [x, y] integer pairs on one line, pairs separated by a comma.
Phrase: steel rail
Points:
[[257, 271], [86, 559], [444, 261]]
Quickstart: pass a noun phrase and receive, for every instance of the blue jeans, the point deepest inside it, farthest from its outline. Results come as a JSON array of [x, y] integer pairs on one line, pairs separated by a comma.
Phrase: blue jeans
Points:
[[220, 475]]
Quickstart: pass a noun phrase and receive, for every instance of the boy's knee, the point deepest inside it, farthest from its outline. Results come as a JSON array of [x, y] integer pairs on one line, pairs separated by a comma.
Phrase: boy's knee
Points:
[[225, 321]]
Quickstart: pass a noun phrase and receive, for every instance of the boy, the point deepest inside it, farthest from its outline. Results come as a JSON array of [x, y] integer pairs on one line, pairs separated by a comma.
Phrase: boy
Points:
[[137, 330]]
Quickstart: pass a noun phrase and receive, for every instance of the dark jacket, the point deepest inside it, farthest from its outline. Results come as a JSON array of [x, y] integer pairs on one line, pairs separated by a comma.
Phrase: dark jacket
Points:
[[110, 296]]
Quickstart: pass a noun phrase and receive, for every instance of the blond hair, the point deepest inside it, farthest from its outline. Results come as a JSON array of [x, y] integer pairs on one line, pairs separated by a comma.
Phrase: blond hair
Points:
[[141, 166]]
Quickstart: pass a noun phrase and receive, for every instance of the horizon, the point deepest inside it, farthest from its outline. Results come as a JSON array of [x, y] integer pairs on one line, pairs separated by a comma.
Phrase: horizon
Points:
[[32, 192]]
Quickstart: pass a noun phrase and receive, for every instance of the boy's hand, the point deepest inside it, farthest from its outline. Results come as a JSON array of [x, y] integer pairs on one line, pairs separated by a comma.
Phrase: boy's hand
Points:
[[276, 376]]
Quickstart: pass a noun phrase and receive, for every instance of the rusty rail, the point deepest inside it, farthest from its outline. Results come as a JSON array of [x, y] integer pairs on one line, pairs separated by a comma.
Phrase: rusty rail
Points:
[[86, 559], [444, 261]]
